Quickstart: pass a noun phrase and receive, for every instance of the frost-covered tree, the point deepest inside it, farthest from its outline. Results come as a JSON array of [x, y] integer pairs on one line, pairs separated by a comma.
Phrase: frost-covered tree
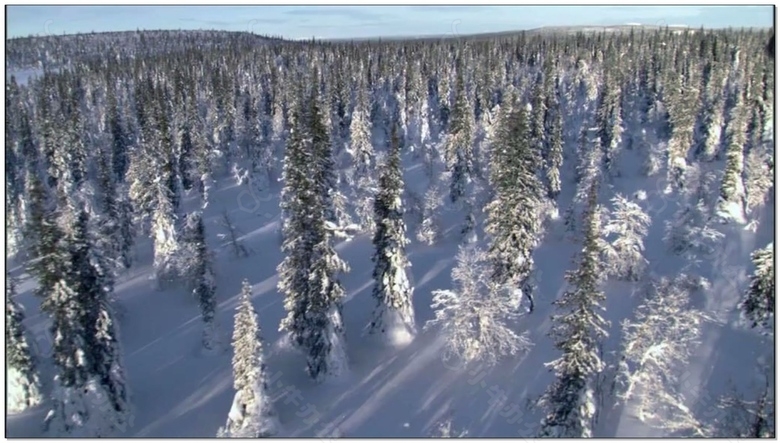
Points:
[[428, 232], [732, 190], [578, 330], [657, 346], [394, 314], [692, 230], [115, 220], [513, 220], [361, 175], [745, 418], [198, 267], [90, 395], [459, 152], [296, 201], [758, 304], [588, 170], [154, 191], [252, 414], [309, 273], [555, 156], [758, 179], [474, 317], [24, 385], [625, 232]]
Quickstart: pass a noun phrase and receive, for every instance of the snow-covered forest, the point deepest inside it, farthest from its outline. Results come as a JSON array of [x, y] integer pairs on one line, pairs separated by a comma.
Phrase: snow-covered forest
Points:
[[523, 235]]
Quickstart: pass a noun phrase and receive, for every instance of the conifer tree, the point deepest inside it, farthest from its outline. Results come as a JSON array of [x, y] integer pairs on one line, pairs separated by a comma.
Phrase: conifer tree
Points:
[[758, 304], [361, 175], [460, 142], [732, 190], [513, 215], [24, 385], [578, 330], [201, 274], [90, 396], [394, 314], [555, 156], [296, 201], [325, 342], [252, 414]]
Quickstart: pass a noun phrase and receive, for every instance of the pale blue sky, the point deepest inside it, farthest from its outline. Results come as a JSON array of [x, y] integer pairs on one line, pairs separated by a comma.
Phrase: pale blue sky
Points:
[[367, 21]]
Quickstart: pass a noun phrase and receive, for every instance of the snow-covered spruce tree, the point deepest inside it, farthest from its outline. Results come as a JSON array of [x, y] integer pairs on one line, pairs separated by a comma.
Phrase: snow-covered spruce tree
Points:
[[625, 232], [513, 220], [460, 142], [361, 175], [732, 190], [252, 414], [296, 202], [394, 314], [588, 170], [657, 346], [325, 341], [758, 179], [24, 385], [758, 304], [155, 194], [429, 229], [198, 268], [555, 156], [90, 397], [110, 240], [711, 120], [690, 231], [578, 330], [473, 318]]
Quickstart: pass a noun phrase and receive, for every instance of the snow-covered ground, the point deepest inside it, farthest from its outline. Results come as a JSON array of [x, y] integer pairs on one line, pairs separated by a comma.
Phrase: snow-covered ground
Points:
[[406, 391]]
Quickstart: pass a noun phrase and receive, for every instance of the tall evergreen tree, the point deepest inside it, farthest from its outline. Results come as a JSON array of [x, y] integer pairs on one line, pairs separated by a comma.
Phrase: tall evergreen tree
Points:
[[296, 202], [513, 215], [90, 394], [325, 342], [361, 175], [732, 190], [252, 414], [555, 156], [577, 331], [394, 314], [201, 273], [460, 144]]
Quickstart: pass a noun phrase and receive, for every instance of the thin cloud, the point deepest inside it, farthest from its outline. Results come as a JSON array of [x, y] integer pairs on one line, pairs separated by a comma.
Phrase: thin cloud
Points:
[[352, 13], [229, 22]]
